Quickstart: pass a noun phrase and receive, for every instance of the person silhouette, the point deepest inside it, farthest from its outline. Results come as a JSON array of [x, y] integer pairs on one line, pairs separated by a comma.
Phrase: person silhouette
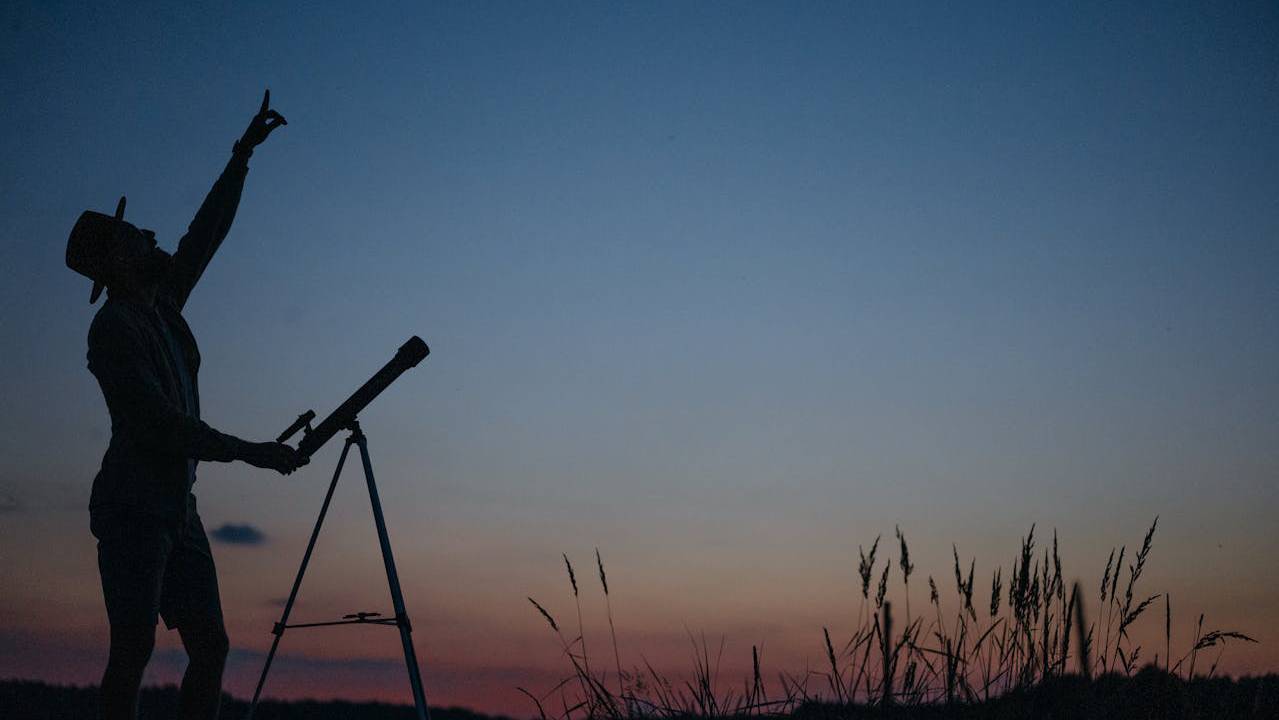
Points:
[[153, 556]]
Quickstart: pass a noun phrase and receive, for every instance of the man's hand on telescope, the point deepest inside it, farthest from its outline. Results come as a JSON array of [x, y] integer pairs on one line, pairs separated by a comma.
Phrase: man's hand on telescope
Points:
[[273, 456], [260, 126]]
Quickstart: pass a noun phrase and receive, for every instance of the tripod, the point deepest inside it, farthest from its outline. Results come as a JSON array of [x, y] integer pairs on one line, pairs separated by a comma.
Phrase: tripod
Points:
[[401, 619]]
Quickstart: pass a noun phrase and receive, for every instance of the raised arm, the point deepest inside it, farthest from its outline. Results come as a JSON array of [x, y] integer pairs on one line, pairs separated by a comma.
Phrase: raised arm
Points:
[[213, 220]]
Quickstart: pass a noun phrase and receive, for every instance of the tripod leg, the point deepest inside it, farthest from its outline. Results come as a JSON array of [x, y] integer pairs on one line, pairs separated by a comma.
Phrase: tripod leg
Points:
[[397, 598], [278, 630]]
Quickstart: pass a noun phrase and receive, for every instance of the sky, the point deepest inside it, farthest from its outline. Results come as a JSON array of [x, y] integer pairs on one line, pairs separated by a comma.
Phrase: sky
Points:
[[725, 290]]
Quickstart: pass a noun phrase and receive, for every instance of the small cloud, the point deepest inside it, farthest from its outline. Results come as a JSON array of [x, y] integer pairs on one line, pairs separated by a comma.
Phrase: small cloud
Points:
[[8, 503], [238, 535]]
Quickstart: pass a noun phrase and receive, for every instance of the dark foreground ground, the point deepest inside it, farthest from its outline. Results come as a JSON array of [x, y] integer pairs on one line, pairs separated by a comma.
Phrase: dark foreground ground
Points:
[[26, 700], [1148, 694]]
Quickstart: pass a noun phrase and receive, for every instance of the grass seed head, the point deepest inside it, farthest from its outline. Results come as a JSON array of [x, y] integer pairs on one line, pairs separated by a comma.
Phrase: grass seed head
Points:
[[905, 564], [600, 564], [1105, 577], [545, 614], [995, 586], [866, 566], [883, 586], [572, 577]]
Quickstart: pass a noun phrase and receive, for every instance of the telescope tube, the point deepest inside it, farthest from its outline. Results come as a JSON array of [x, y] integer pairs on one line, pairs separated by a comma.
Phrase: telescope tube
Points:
[[409, 355]]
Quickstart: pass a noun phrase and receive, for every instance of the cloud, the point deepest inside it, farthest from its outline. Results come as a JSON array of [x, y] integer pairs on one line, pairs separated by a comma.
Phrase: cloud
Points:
[[238, 535], [8, 503]]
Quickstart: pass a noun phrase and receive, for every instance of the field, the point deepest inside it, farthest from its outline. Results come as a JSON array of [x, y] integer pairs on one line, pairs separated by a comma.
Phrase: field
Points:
[[1024, 649]]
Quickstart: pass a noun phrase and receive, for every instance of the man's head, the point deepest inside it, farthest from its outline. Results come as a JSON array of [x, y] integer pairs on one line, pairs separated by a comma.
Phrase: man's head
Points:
[[115, 253]]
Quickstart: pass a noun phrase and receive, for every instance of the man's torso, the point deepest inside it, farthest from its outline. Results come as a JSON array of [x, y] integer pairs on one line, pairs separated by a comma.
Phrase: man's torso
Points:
[[141, 478]]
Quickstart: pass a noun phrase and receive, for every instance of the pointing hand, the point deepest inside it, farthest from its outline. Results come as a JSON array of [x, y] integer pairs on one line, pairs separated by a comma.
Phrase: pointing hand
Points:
[[261, 125]]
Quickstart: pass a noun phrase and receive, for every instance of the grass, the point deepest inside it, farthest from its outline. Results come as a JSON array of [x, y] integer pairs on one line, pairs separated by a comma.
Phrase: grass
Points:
[[1032, 644]]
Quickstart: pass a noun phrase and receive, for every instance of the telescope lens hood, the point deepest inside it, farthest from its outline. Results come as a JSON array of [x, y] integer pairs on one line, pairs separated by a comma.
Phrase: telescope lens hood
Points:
[[413, 352]]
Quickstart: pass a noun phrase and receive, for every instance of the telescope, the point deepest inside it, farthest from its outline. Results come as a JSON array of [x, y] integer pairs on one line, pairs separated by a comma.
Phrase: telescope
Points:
[[409, 355], [344, 418]]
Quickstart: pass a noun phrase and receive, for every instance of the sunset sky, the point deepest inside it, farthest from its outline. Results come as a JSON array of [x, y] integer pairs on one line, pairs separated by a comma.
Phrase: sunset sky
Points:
[[723, 289]]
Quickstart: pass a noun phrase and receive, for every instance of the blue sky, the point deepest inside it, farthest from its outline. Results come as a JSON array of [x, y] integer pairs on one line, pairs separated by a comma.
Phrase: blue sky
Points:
[[720, 284]]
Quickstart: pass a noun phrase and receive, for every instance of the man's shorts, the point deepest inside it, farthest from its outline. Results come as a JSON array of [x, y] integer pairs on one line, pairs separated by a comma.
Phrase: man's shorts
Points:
[[152, 568]]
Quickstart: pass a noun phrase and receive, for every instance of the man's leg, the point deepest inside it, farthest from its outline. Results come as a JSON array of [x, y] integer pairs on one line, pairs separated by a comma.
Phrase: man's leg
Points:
[[206, 645], [190, 602], [130, 650], [132, 552]]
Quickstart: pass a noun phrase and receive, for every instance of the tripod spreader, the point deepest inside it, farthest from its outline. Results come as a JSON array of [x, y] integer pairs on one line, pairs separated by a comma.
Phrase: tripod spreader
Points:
[[360, 618]]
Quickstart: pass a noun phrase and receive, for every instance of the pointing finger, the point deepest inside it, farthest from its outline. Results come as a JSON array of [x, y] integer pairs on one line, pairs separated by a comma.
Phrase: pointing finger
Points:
[[266, 101]]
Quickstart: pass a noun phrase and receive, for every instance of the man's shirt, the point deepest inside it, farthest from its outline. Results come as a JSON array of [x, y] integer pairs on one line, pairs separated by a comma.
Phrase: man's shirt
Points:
[[147, 363]]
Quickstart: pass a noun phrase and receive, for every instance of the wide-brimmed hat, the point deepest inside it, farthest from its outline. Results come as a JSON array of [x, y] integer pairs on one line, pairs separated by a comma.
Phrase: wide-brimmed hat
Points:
[[92, 245]]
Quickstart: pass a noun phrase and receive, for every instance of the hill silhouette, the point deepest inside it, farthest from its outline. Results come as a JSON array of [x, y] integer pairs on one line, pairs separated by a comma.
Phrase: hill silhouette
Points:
[[1149, 693], [32, 700]]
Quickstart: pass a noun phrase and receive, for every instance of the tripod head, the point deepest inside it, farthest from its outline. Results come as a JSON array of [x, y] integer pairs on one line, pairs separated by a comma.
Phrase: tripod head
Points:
[[409, 355]]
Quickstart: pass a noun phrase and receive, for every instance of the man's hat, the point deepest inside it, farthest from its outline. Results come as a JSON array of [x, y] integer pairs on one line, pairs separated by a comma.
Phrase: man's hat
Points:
[[92, 245]]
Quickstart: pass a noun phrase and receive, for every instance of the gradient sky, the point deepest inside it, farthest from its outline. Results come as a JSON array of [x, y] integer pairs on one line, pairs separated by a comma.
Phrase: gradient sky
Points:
[[725, 290]]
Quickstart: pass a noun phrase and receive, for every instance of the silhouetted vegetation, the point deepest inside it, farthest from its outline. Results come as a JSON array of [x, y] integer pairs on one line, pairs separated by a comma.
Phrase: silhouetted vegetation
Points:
[[1148, 693], [1028, 649]]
